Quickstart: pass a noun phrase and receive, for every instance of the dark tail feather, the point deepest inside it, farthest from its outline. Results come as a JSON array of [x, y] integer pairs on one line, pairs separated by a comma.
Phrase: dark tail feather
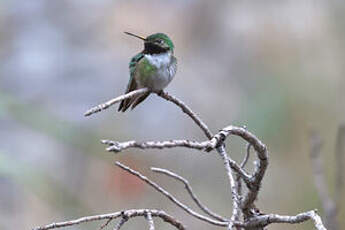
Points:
[[139, 99], [134, 101], [124, 105]]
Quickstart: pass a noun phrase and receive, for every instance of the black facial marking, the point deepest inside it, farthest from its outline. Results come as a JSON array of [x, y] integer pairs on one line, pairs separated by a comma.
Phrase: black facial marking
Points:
[[152, 48]]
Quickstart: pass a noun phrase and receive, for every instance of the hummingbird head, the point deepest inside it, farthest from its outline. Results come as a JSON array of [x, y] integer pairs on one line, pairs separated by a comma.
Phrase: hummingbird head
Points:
[[156, 43]]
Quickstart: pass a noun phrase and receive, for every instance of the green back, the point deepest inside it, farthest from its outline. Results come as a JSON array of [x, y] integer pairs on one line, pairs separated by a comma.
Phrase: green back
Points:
[[133, 62]]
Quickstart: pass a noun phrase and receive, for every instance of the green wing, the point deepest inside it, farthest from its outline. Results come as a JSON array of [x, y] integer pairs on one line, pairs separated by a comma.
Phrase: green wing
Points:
[[132, 85]]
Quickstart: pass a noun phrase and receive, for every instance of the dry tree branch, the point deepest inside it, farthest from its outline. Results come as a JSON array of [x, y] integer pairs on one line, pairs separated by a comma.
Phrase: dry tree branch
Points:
[[264, 220], [220, 149], [123, 220], [258, 221], [111, 102], [253, 182], [191, 193], [171, 197], [116, 147], [259, 172], [245, 160], [238, 182], [195, 118], [243, 164], [129, 213], [149, 219], [241, 205], [105, 224], [235, 197]]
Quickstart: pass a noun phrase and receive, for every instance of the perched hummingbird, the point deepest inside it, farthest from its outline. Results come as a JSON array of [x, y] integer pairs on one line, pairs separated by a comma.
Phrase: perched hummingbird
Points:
[[154, 68]]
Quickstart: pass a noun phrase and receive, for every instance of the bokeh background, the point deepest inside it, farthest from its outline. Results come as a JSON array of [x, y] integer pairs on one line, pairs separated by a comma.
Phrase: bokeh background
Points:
[[277, 67]]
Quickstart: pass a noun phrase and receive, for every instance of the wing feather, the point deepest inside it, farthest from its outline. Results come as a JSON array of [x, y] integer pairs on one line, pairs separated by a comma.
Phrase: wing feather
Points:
[[132, 84]]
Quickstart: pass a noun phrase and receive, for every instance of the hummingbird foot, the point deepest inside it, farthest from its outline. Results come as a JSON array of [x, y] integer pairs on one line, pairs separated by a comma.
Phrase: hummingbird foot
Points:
[[113, 145], [160, 92]]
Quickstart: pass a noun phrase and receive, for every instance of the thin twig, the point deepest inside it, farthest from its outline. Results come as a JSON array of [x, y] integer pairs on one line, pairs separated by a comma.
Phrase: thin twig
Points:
[[246, 157], [191, 193], [236, 212], [243, 164], [130, 213], [105, 224], [123, 220], [264, 220], [238, 181], [262, 154], [149, 219], [220, 150], [171, 197], [258, 221], [119, 146], [253, 182], [113, 101]]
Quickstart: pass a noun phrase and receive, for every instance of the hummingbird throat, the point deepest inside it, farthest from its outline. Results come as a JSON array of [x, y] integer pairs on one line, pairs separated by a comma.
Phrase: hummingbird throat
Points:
[[151, 48]]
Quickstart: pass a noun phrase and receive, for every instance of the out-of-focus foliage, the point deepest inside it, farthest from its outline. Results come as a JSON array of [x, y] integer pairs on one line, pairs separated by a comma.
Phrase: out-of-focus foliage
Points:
[[277, 67]]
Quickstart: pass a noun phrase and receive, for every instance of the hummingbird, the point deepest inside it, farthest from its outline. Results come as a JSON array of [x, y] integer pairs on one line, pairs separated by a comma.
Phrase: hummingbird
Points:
[[154, 68]]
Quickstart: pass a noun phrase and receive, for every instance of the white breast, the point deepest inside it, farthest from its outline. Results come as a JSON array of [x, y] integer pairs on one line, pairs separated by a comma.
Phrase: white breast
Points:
[[165, 70], [159, 60]]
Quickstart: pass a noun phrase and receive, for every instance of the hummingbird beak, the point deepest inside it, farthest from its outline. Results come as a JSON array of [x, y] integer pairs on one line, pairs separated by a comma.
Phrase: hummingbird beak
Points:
[[134, 35]]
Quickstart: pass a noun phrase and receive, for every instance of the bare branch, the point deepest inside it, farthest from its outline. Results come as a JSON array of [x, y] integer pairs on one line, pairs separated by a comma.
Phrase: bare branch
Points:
[[238, 181], [262, 154], [264, 220], [123, 220], [245, 160], [129, 213], [253, 181], [113, 101], [217, 141], [149, 219], [105, 224], [243, 164], [235, 197], [258, 221], [119, 146], [171, 197], [191, 193]]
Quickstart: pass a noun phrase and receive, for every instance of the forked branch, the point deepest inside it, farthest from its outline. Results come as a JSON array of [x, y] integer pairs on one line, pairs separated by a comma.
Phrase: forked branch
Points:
[[244, 213], [112, 216], [191, 193]]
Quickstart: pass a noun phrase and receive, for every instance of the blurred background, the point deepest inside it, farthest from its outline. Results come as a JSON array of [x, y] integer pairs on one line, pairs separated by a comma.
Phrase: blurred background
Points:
[[277, 67]]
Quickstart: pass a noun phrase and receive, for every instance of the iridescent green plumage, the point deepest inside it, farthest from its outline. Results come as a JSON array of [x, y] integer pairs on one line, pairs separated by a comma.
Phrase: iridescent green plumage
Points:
[[153, 68]]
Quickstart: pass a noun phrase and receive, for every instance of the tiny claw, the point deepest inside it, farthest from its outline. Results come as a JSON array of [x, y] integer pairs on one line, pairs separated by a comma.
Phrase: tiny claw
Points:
[[114, 147], [160, 92], [107, 142]]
